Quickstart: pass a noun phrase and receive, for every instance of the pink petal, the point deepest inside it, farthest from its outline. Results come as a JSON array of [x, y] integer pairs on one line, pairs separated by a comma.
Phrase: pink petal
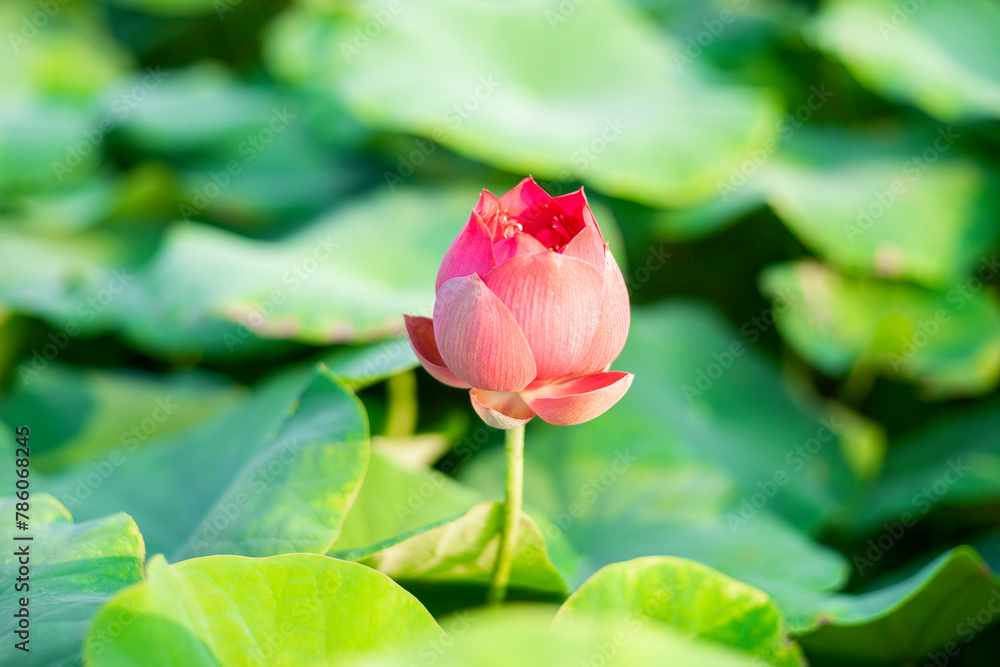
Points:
[[501, 409], [522, 197], [421, 333], [487, 208], [471, 252], [588, 246], [575, 204], [612, 328], [517, 245], [580, 399], [556, 301], [478, 337]]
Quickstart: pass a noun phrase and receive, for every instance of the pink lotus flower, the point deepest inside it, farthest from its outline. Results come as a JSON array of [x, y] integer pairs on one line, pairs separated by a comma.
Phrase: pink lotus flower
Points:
[[531, 310]]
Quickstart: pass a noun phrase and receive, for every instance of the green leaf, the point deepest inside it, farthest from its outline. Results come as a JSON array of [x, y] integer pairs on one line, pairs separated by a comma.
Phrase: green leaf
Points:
[[948, 342], [360, 366], [691, 598], [276, 474], [902, 622], [954, 461], [594, 95], [941, 56], [523, 637], [62, 53], [894, 209], [43, 144], [464, 550], [80, 414], [74, 569], [297, 609], [228, 111], [395, 501], [346, 278], [74, 282]]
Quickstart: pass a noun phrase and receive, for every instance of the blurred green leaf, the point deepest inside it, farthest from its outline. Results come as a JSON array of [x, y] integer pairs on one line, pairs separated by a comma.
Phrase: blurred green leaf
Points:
[[563, 91], [79, 414], [884, 208], [74, 569], [948, 342], [73, 281], [204, 107], [60, 50], [954, 461], [941, 56], [691, 598], [346, 278], [44, 144], [297, 609]]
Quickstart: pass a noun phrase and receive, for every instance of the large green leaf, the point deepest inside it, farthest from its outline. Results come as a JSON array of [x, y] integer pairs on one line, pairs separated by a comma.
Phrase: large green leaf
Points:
[[297, 609], [275, 474], [894, 209], [585, 91], [691, 598], [79, 414], [523, 637], [348, 277], [942, 606], [949, 342], [941, 56], [74, 569]]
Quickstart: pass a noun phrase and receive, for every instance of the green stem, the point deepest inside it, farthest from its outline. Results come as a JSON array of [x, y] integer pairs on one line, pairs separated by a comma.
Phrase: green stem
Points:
[[401, 417], [514, 448]]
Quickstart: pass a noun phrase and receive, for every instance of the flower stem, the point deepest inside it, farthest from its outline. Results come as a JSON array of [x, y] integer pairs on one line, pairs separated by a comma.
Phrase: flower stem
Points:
[[514, 448]]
